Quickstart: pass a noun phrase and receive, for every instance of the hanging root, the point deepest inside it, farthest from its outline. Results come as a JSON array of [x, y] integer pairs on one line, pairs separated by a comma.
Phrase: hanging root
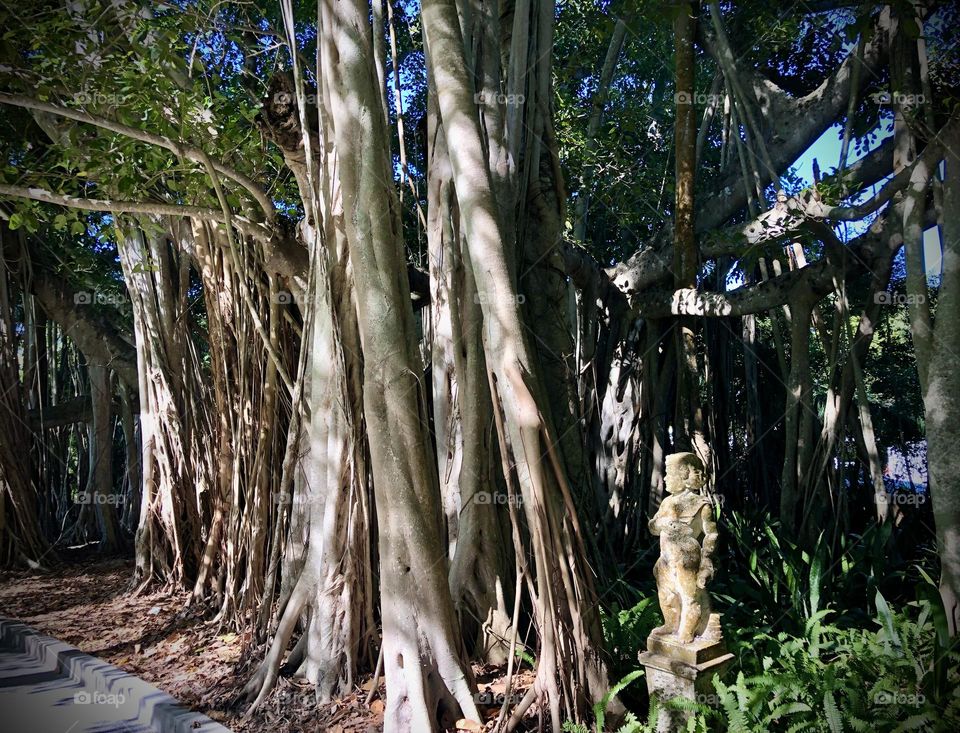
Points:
[[262, 683]]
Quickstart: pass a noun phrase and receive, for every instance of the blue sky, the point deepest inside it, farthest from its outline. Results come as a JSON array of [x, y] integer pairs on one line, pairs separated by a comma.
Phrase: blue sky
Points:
[[826, 150]]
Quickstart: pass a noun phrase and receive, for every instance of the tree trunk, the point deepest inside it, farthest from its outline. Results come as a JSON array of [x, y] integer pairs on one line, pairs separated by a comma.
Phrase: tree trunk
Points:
[[20, 539], [689, 424], [463, 422], [100, 480], [906, 89], [565, 604], [798, 384], [168, 537], [428, 683], [942, 396]]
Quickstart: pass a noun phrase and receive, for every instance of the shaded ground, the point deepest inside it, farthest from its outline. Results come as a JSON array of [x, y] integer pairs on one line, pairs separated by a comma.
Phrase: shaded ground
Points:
[[87, 604]]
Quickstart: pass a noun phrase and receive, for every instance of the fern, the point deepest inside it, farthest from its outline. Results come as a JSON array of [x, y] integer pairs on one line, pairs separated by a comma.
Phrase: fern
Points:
[[600, 709], [827, 670], [832, 713], [835, 679]]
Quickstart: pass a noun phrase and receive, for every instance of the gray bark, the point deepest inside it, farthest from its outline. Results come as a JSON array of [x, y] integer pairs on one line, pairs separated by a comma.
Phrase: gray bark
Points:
[[428, 684], [942, 395]]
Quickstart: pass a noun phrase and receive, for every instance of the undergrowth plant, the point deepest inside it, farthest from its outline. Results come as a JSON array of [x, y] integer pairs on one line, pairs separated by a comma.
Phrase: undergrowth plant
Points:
[[775, 581], [817, 646], [901, 675]]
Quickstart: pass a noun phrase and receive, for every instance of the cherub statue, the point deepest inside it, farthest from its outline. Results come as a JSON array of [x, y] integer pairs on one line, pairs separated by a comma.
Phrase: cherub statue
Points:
[[688, 536]]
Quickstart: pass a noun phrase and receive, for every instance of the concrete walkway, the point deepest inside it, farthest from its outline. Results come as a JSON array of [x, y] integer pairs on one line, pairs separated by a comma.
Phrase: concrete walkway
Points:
[[47, 686]]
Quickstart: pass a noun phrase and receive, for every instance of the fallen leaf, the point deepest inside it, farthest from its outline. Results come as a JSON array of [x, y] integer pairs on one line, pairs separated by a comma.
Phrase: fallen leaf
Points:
[[470, 725]]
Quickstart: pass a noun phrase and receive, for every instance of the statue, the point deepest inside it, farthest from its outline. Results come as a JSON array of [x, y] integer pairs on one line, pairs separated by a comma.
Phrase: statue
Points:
[[685, 654], [688, 536]]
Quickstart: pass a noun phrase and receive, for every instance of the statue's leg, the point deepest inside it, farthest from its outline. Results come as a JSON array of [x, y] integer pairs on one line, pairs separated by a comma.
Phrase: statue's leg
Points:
[[703, 601], [669, 602], [691, 605], [670, 606]]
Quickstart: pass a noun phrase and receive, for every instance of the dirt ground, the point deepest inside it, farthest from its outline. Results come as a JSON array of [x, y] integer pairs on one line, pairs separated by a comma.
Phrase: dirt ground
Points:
[[88, 604]]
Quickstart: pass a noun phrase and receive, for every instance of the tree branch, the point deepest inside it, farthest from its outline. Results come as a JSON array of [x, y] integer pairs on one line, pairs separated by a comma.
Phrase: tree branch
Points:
[[789, 214], [257, 231], [94, 333], [863, 255], [793, 123], [181, 150]]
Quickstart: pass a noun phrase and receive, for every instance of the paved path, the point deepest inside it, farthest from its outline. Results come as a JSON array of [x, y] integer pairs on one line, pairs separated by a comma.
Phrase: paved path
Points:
[[47, 686]]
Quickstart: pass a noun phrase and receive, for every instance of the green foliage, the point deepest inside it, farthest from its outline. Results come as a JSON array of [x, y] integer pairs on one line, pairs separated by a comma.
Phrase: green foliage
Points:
[[891, 375], [523, 655], [786, 579], [625, 631], [630, 723], [819, 643], [167, 73], [834, 679], [783, 585], [600, 709], [902, 674]]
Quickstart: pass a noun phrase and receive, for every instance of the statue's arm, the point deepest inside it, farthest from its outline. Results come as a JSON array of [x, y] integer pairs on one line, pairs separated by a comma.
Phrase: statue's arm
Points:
[[661, 518], [709, 545]]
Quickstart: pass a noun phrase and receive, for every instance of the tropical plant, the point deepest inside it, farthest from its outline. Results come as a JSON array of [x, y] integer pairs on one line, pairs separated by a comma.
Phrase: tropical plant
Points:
[[903, 675]]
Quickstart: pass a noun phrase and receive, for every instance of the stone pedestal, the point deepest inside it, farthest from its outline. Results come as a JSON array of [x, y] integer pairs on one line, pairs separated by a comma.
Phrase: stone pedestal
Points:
[[681, 670]]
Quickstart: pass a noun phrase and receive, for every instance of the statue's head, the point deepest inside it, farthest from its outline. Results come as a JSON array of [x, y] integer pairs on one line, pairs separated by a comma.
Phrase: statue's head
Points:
[[684, 471]]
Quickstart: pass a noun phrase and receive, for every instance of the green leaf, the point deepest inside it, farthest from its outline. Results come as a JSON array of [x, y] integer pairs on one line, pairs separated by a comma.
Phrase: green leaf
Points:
[[886, 617], [600, 709], [832, 712], [16, 220], [915, 722], [789, 709]]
